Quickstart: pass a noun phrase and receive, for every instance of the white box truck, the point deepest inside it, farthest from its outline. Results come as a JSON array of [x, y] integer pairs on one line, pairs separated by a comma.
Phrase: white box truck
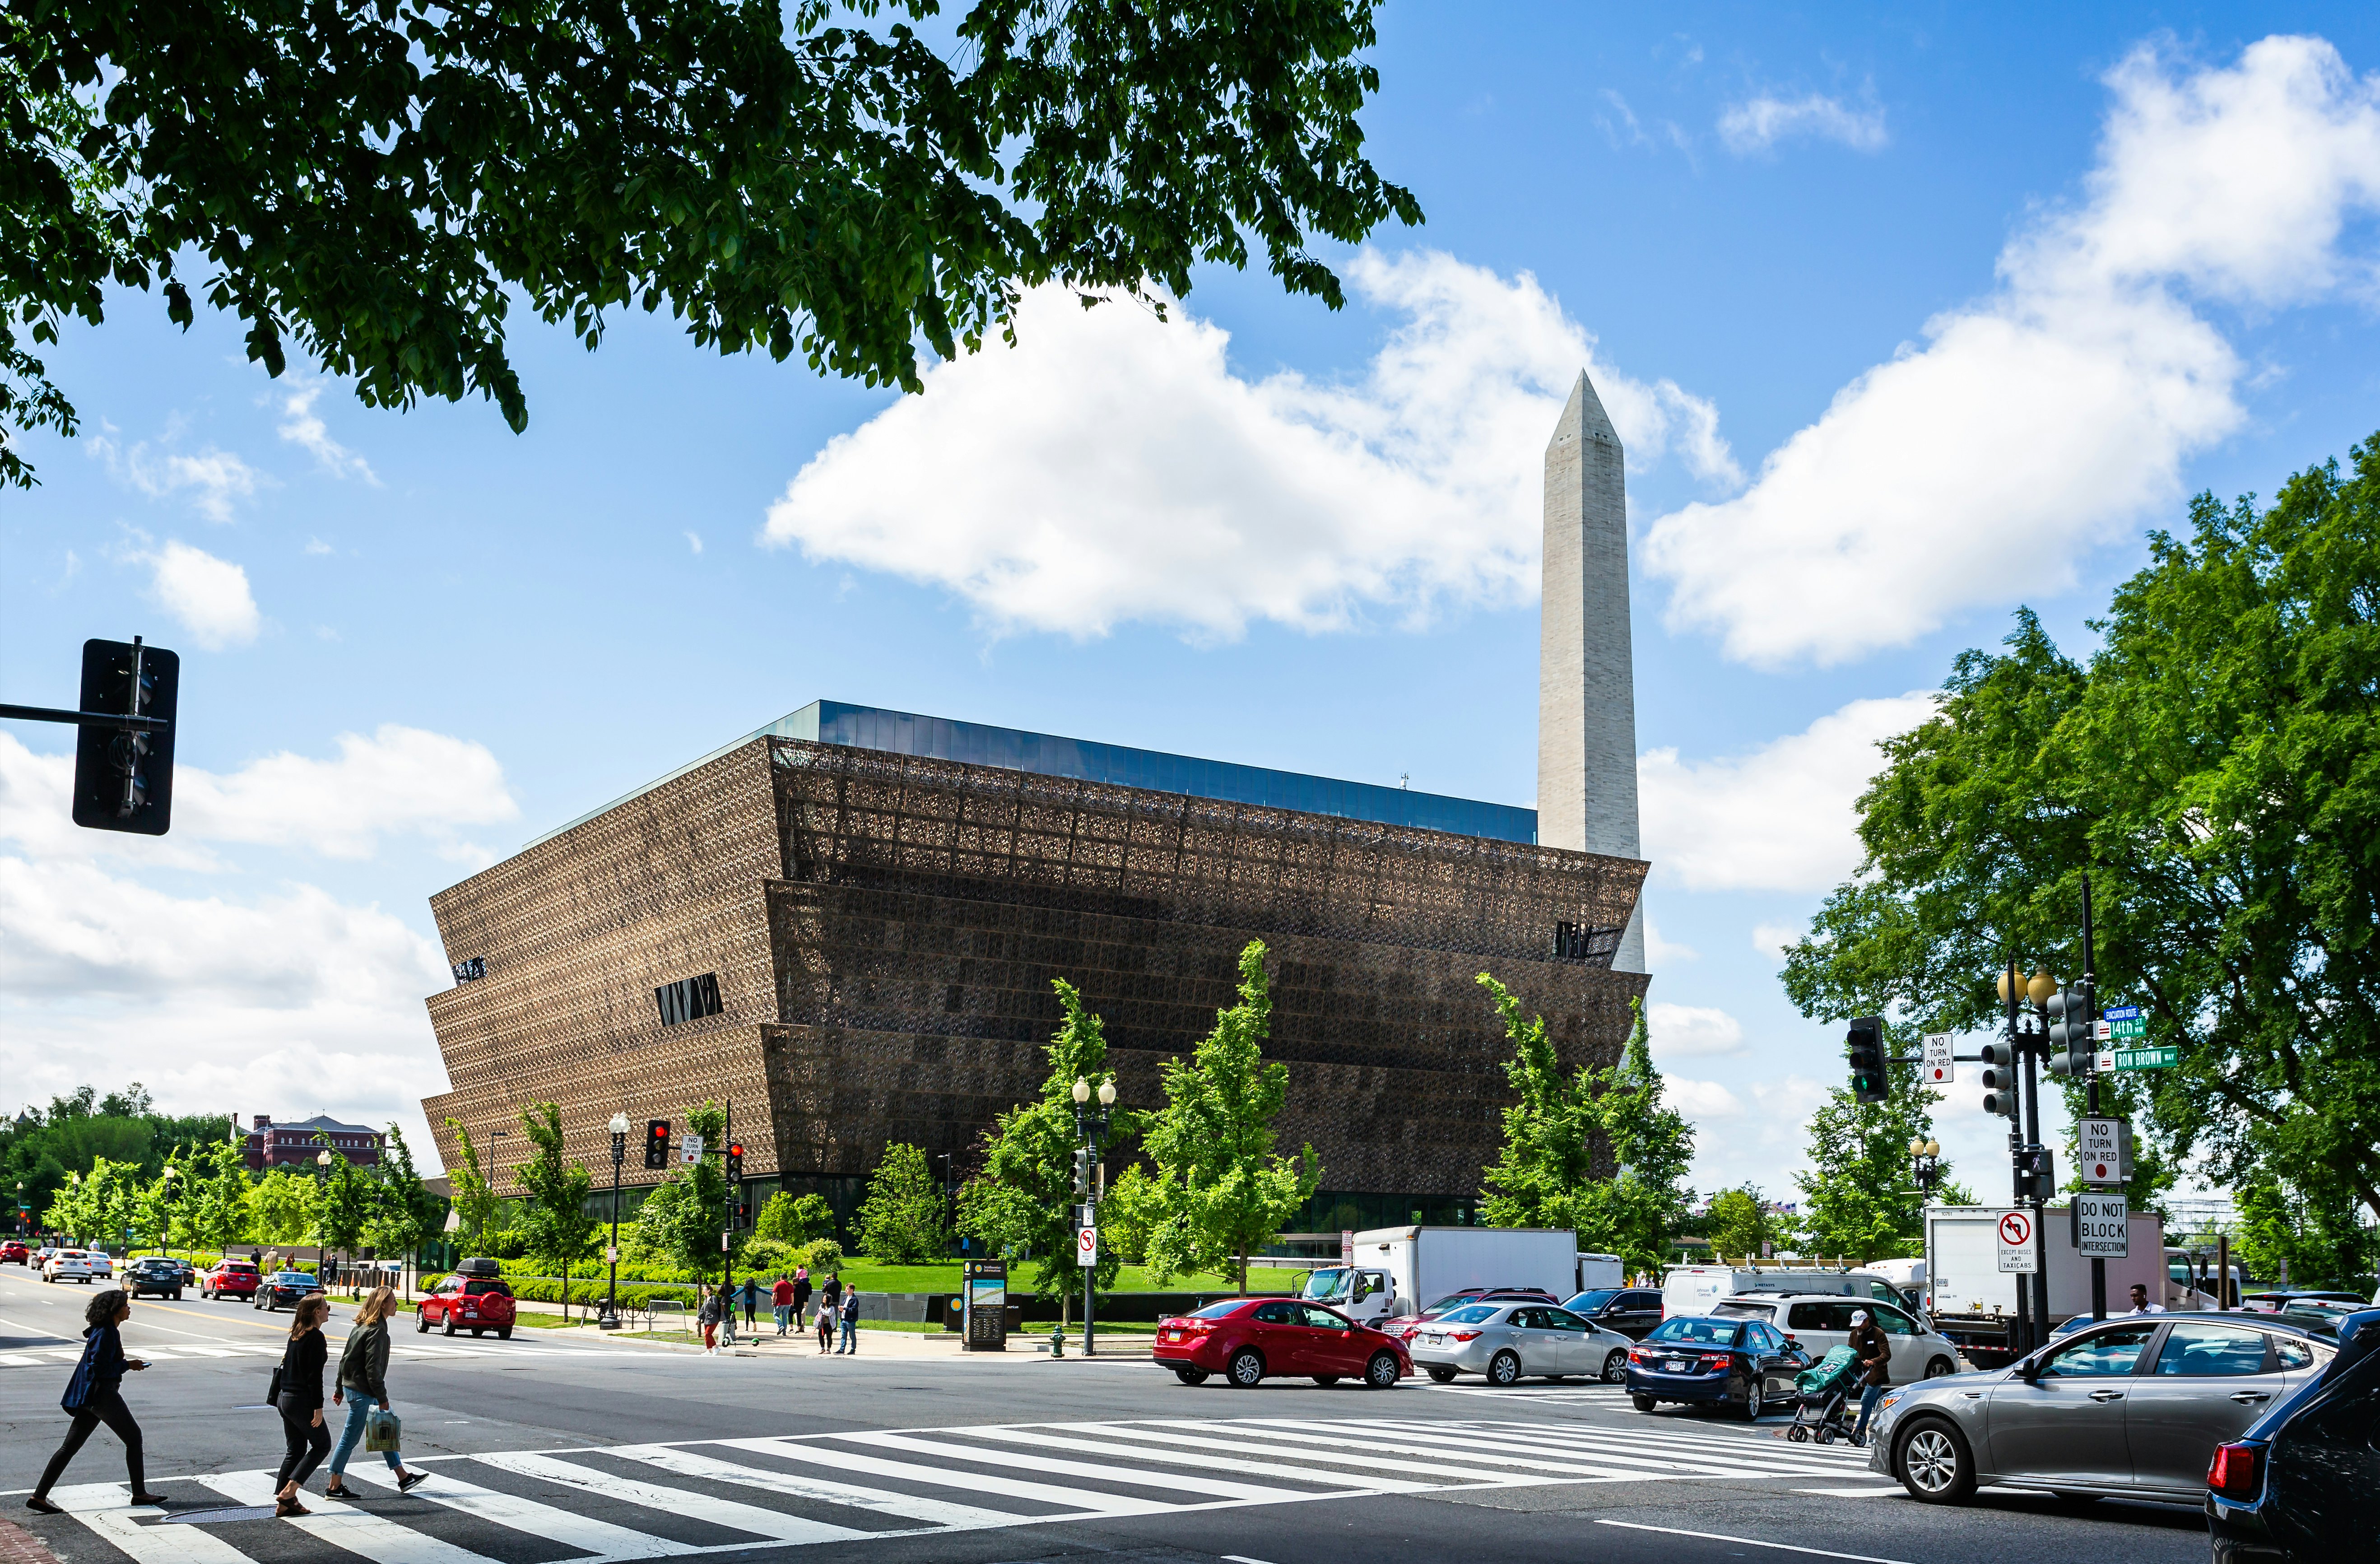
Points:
[[1692, 1290], [1401, 1271], [1972, 1299]]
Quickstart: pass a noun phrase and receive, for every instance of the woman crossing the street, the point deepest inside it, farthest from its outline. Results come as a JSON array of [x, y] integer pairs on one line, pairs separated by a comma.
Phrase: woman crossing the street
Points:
[[301, 1403], [94, 1396], [363, 1384], [826, 1323]]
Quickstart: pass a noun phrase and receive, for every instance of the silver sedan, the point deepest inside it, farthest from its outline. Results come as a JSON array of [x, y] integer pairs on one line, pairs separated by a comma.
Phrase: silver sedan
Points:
[[2133, 1407], [1504, 1341]]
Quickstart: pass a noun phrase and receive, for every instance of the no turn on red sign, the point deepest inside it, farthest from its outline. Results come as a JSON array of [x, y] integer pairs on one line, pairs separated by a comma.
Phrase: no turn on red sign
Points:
[[1935, 1066], [2015, 1243]]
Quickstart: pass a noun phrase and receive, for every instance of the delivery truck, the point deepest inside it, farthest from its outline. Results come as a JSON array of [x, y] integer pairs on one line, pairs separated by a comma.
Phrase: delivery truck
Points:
[[1398, 1272], [1973, 1301]]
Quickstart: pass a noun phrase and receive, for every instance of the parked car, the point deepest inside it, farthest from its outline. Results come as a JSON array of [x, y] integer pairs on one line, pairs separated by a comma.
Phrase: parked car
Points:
[[78, 1264], [1630, 1311], [1817, 1324], [1407, 1329], [286, 1290], [1506, 1342], [14, 1253], [2285, 1491], [2274, 1303], [1742, 1365], [468, 1303], [1248, 1340], [230, 1279], [153, 1274], [2133, 1407]]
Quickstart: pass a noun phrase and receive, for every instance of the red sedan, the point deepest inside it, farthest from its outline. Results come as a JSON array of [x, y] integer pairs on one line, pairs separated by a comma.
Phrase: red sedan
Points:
[[1245, 1339], [15, 1254]]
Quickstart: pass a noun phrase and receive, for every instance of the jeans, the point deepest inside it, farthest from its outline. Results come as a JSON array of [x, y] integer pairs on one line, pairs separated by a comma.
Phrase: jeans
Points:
[[358, 1408], [308, 1443], [785, 1316], [102, 1406], [1868, 1398], [850, 1334]]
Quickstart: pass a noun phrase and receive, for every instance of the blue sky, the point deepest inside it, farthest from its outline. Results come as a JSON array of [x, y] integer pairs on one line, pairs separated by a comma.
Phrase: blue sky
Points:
[[1908, 316]]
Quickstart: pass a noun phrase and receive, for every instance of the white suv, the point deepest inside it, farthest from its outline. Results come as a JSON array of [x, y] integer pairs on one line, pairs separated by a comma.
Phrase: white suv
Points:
[[78, 1264], [1819, 1323]]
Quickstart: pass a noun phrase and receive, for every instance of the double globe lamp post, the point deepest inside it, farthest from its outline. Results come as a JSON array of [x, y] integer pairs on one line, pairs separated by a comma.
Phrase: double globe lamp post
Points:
[[610, 1319], [1092, 1126]]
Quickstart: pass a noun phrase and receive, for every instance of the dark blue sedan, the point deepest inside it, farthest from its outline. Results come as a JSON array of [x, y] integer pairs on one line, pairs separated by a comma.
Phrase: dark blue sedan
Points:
[[2285, 1491], [1742, 1365]]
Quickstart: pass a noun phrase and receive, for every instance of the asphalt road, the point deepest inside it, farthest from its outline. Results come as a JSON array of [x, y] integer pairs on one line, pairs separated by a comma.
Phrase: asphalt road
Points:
[[551, 1447]]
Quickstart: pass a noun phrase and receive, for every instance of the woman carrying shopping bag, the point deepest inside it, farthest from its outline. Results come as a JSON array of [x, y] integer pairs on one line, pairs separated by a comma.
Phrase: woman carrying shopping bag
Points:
[[300, 1402], [93, 1398], [363, 1384]]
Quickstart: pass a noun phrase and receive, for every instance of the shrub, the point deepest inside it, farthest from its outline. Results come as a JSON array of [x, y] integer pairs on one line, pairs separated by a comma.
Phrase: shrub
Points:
[[902, 1220], [819, 1254], [794, 1220]]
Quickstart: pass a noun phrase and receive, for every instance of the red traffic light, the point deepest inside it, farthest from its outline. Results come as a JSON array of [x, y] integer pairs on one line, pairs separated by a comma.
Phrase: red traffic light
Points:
[[658, 1129], [735, 1148]]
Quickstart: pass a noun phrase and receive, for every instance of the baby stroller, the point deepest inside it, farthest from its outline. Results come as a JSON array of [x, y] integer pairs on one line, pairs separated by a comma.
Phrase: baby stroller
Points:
[[1821, 1412]]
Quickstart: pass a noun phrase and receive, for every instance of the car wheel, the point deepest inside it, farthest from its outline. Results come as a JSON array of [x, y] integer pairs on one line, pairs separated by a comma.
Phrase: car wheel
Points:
[[1190, 1376], [1749, 1409], [1246, 1368], [1939, 1367], [421, 1322], [1382, 1373], [1932, 1462], [1615, 1367], [450, 1325], [177, 1294], [1642, 1403], [1504, 1368], [1443, 1374], [1326, 1380], [504, 1333]]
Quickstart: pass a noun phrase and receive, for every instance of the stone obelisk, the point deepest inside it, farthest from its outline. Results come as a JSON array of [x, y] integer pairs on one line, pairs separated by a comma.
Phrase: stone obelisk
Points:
[[1587, 683]]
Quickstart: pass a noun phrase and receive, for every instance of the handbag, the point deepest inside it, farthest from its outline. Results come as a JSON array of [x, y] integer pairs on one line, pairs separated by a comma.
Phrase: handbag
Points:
[[382, 1429], [272, 1390]]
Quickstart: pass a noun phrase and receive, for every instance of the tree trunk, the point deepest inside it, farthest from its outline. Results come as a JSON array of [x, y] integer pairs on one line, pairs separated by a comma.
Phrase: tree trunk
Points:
[[1243, 1272]]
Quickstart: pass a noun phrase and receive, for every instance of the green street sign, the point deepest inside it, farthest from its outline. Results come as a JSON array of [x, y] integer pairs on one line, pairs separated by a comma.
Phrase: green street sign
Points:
[[2147, 1059], [2124, 1030]]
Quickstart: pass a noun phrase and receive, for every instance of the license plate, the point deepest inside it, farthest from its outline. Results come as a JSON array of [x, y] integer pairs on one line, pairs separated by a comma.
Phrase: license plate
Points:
[[1676, 1365], [1433, 1340]]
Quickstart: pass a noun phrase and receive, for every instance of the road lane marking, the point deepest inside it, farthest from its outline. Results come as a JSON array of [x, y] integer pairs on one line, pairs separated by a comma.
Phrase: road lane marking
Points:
[[599, 1537], [1086, 1502], [772, 1524], [358, 1530], [1752, 1541], [104, 1508], [1218, 1487], [940, 1513]]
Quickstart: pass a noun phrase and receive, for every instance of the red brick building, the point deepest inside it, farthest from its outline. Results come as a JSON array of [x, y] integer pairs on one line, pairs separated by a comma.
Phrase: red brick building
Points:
[[284, 1145]]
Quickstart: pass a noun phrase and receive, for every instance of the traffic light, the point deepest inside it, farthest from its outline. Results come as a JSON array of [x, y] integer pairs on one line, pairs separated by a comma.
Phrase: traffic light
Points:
[[2038, 1173], [1082, 1173], [2070, 1047], [740, 1210], [657, 1144], [124, 781], [1999, 1080], [1864, 1043], [736, 1161]]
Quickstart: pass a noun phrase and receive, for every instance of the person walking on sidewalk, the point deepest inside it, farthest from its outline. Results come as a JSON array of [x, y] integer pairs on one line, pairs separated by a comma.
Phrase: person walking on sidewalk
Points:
[[363, 1384], [850, 1316], [825, 1325], [301, 1403], [751, 1303], [802, 1290], [781, 1299], [706, 1314], [94, 1396]]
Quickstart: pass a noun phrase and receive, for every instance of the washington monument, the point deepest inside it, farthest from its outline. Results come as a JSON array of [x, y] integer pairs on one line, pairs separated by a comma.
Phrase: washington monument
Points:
[[1587, 683]]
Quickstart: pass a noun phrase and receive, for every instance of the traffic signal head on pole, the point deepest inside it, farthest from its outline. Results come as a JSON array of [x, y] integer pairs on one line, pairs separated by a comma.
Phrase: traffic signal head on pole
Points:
[[1999, 1080], [1864, 1043], [1082, 1173], [2069, 1031], [657, 1144], [124, 780], [736, 1161]]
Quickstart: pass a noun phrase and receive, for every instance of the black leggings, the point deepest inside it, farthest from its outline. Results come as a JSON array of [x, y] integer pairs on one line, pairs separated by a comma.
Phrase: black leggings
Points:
[[309, 1442], [103, 1406]]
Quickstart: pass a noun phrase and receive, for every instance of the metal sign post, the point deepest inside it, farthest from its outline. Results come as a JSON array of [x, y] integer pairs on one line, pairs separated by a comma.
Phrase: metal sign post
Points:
[[1086, 1254]]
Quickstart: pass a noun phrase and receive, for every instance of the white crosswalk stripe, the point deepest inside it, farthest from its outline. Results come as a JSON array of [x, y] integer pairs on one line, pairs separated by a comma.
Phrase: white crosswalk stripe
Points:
[[792, 1492], [433, 1350]]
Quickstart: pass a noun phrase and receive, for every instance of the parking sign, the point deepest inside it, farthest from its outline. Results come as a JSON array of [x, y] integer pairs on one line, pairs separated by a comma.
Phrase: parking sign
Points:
[[1935, 1066]]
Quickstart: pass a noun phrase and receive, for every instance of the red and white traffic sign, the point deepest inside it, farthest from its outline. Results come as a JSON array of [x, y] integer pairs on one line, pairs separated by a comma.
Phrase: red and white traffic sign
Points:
[[1087, 1246], [2015, 1236], [1935, 1066]]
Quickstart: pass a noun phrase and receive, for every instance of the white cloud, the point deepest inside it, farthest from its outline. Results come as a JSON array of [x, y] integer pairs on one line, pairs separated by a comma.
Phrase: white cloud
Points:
[[1700, 1100], [1778, 818], [1760, 123], [316, 546], [210, 596], [218, 477], [2045, 420], [303, 427], [1772, 939], [1691, 1031], [694, 542], [1660, 952], [1110, 468]]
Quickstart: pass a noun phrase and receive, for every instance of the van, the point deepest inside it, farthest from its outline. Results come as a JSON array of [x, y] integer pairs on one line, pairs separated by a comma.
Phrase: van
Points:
[[1696, 1290]]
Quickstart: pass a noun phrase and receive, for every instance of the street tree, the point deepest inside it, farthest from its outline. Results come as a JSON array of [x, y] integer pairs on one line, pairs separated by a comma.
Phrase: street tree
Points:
[[399, 1218], [1740, 1222], [221, 1217], [1860, 1196], [560, 1231], [1020, 1201], [344, 1210], [793, 1218], [1565, 1130], [901, 1221], [475, 1198], [1219, 1191], [285, 1206], [382, 184], [2210, 767], [682, 1221]]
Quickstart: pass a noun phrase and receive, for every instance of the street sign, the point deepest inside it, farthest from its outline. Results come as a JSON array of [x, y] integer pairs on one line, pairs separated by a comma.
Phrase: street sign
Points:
[[2163, 1058], [2102, 1226], [1346, 1247], [2015, 1236], [1935, 1067], [1087, 1246], [2122, 1012], [2104, 1150], [689, 1148]]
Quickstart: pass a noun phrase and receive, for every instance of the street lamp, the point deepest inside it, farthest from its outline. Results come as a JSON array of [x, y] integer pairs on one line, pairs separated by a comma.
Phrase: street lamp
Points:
[[1092, 1126], [610, 1319], [1924, 1165], [169, 1175]]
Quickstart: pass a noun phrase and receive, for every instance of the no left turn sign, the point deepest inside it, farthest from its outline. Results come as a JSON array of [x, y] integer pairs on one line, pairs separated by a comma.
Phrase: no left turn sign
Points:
[[2015, 1235]]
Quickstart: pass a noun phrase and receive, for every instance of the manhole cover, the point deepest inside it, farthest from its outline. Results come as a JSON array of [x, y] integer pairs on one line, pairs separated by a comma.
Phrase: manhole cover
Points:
[[217, 1517]]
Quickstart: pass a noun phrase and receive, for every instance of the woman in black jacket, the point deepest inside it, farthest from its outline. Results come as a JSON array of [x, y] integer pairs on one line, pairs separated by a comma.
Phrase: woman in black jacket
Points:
[[363, 1384], [93, 1396], [301, 1402]]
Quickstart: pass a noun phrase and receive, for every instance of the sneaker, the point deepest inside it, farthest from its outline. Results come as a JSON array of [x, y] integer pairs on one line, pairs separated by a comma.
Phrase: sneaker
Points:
[[411, 1480]]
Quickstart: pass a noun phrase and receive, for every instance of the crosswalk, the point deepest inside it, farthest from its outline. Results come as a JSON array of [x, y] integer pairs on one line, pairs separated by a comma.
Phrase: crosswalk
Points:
[[430, 1350], [620, 1502]]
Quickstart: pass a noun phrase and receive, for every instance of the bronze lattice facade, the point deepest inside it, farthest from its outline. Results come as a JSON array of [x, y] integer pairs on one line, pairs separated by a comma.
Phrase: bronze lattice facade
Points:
[[879, 930]]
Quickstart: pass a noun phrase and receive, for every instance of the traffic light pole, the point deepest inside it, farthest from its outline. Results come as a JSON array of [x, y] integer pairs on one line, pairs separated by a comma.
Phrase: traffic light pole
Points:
[[2091, 987], [610, 1317], [726, 1213]]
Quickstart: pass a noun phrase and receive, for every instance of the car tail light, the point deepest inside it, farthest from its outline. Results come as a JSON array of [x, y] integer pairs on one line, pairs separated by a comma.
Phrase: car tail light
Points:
[[1640, 1358], [2233, 1472], [1462, 1336], [1713, 1360]]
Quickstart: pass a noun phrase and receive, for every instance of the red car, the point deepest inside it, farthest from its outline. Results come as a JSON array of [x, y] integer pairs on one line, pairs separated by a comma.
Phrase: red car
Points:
[[468, 1303], [15, 1254], [229, 1279], [1245, 1339]]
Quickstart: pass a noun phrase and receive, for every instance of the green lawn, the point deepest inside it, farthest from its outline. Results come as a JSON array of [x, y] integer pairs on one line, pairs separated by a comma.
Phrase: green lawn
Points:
[[869, 1277]]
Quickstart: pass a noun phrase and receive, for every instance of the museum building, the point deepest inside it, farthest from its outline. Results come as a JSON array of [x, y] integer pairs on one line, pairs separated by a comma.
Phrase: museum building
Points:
[[846, 923]]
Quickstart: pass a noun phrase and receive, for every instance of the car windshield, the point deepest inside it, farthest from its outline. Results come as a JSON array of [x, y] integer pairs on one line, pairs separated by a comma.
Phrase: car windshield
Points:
[[1452, 1301], [1472, 1313], [1326, 1287], [294, 1279], [1587, 1303], [1711, 1332]]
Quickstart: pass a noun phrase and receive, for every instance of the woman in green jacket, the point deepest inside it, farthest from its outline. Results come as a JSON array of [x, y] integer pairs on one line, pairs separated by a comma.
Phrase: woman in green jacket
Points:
[[363, 1384]]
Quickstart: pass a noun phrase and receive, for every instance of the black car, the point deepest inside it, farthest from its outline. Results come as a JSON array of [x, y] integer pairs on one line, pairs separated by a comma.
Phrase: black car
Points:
[[285, 1289], [1630, 1311], [2287, 1489], [1744, 1366], [153, 1274]]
